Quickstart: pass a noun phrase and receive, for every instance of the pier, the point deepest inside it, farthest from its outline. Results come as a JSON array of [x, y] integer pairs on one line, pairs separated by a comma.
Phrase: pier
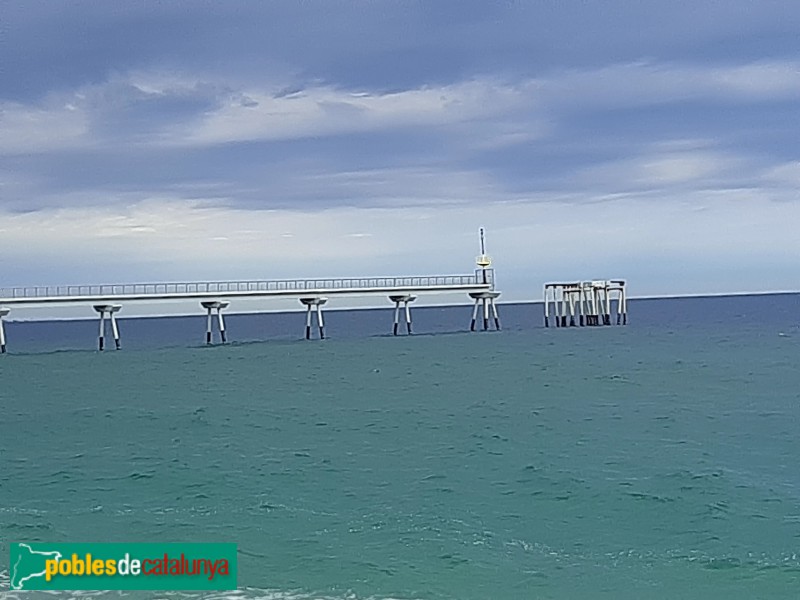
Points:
[[590, 301], [215, 296], [108, 300]]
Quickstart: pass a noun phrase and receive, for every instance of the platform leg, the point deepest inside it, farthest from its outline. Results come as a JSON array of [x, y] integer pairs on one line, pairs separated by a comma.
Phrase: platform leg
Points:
[[221, 323], [320, 322], [496, 316], [546, 308], [101, 335], [114, 330]]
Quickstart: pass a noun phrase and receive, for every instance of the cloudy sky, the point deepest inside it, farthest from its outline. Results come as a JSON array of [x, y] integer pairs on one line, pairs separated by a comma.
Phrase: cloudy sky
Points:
[[648, 140]]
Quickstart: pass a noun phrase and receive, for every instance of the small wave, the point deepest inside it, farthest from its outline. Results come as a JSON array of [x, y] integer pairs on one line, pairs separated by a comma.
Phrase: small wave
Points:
[[244, 593]]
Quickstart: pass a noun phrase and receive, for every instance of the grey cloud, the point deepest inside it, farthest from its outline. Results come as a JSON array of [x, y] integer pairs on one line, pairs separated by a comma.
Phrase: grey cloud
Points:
[[382, 45]]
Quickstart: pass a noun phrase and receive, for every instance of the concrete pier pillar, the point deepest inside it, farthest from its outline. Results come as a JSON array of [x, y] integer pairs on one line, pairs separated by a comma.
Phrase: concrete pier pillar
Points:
[[495, 315], [598, 292], [314, 304], [396, 318], [592, 293], [547, 289], [557, 294], [624, 302], [556, 305], [218, 306], [598, 307], [617, 286], [403, 300], [320, 323], [221, 324], [475, 313], [309, 308], [487, 299], [101, 336], [573, 293], [607, 310], [111, 309], [3, 313], [114, 330]]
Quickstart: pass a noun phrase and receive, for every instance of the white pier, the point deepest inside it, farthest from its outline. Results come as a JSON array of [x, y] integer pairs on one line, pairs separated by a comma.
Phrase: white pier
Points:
[[215, 296], [590, 301]]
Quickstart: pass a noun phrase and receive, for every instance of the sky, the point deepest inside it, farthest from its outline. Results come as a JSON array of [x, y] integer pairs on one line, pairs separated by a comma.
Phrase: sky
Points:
[[187, 140]]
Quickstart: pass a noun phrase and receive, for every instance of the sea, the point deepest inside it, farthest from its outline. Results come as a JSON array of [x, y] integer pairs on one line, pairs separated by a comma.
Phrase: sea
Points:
[[656, 460]]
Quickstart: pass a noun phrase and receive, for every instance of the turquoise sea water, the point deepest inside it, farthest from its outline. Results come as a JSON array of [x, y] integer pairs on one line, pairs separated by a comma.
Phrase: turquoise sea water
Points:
[[657, 460]]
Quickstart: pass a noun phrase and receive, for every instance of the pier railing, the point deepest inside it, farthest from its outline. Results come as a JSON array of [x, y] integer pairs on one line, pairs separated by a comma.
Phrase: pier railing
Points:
[[278, 286]]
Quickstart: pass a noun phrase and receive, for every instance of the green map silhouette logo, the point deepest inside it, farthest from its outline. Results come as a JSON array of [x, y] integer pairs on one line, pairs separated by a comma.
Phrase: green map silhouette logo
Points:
[[27, 564]]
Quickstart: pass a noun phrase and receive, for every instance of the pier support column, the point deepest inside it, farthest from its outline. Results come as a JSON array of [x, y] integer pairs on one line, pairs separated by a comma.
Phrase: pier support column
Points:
[[607, 311], [546, 306], [598, 303], [624, 301], [112, 310], [308, 321], [591, 301], [558, 292], [571, 293], [475, 314], [3, 313], [215, 305], [618, 286], [221, 324], [404, 300], [495, 315], [311, 304], [488, 301]]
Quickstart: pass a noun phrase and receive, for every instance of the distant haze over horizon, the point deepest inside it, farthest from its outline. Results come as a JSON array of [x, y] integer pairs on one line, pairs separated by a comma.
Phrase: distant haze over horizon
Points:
[[181, 141]]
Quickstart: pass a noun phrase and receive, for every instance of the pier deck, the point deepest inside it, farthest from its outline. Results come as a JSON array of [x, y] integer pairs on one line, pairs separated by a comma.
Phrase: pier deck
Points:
[[292, 288]]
